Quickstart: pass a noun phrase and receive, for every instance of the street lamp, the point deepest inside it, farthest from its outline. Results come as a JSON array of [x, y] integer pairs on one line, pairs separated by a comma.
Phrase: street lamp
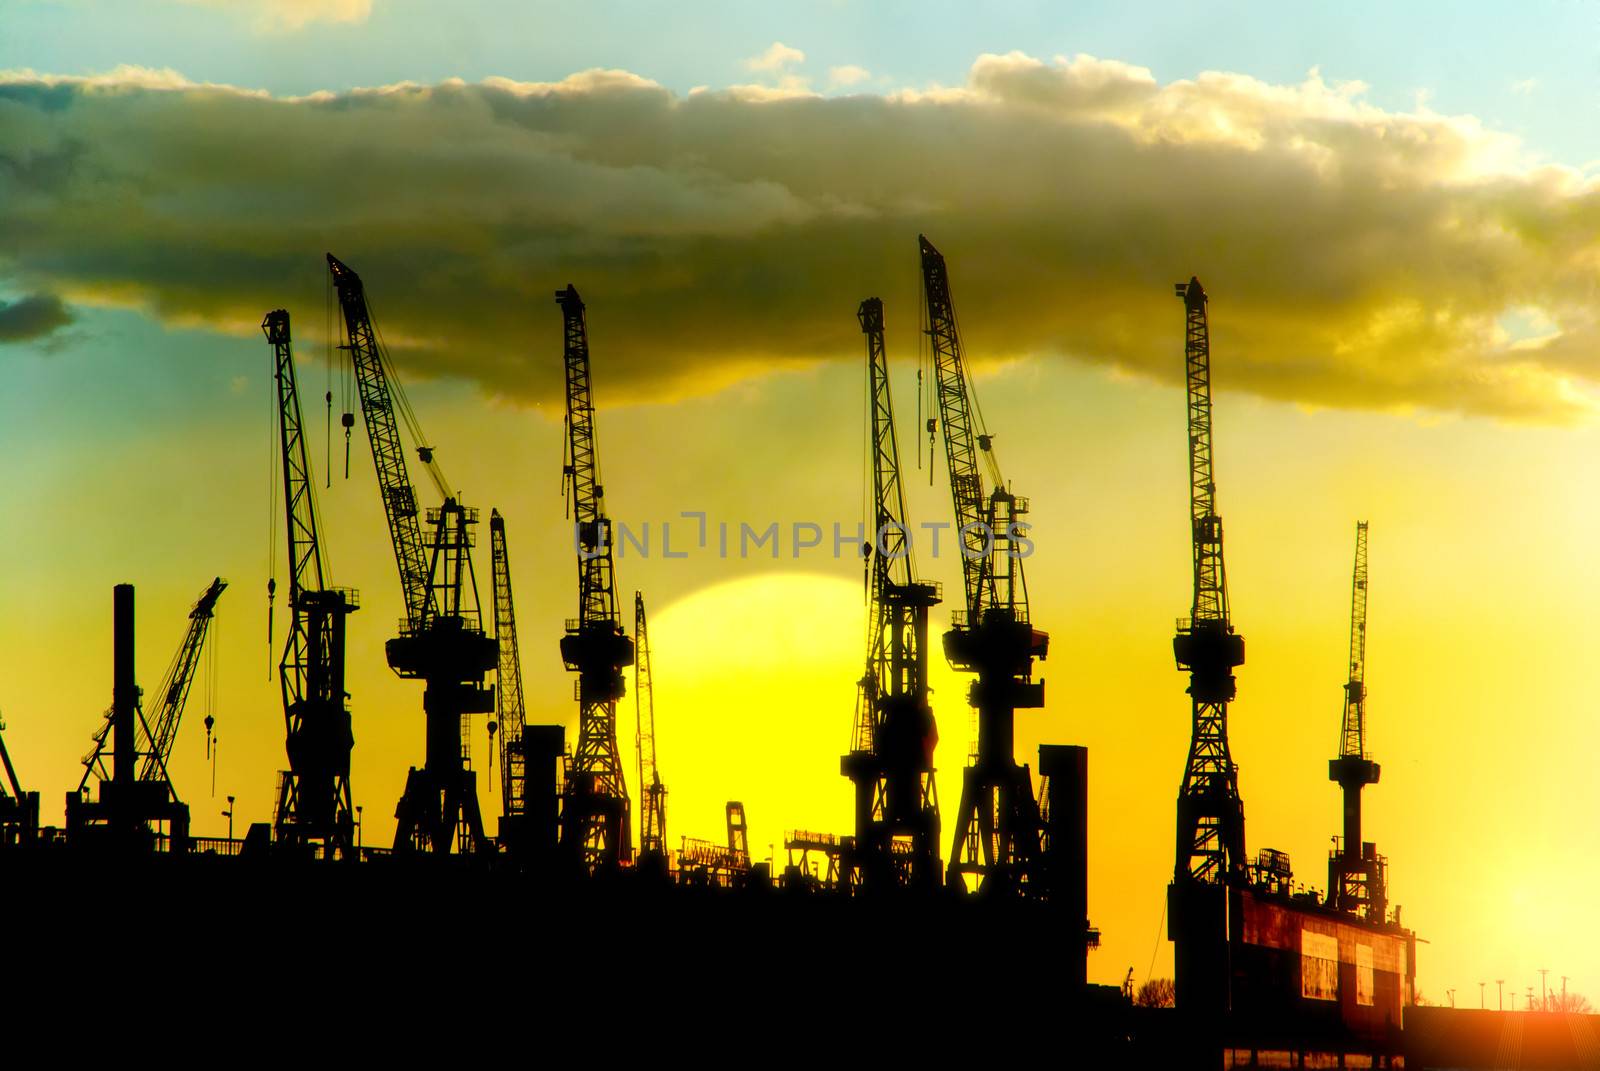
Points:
[[1480, 995], [1500, 984], [358, 829], [228, 814]]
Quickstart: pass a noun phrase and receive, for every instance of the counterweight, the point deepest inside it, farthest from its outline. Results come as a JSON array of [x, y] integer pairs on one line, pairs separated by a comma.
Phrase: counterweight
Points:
[[594, 817], [314, 804], [997, 822], [891, 753]]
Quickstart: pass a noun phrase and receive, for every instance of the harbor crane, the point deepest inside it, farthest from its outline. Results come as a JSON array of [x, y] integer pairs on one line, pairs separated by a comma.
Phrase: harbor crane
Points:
[[652, 793], [594, 817], [997, 822], [137, 801], [314, 811], [19, 810], [891, 750], [1210, 866], [1210, 813], [441, 639], [510, 717], [1356, 872]]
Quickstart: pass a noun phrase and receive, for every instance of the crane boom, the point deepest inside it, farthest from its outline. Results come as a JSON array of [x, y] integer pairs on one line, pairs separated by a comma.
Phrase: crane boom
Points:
[[1210, 841], [652, 793], [997, 823], [891, 756], [314, 801], [383, 432], [962, 436], [174, 691], [595, 817], [1353, 738], [509, 710]]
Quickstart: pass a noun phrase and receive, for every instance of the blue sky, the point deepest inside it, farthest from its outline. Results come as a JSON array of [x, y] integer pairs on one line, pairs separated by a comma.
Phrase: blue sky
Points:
[[1525, 68]]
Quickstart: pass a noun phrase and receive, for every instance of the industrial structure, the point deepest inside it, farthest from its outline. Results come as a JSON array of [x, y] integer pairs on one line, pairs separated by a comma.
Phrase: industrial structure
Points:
[[441, 640], [890, 762], [136, 807], [1261, 964], [652, 793], [314, 810], [594, 814], [510, 718], [1258, 964], [1357, 874], [19, 810], [997, 821]]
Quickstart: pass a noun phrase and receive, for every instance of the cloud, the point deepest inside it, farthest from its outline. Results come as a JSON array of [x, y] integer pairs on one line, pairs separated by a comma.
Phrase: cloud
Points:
[[848, 75], [33, 317], [1356, 257], [288, 15], [777, 57], [1523, 87]]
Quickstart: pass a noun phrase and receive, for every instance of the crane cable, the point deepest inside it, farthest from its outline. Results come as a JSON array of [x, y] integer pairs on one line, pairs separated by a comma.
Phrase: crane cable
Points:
[[274, 429]]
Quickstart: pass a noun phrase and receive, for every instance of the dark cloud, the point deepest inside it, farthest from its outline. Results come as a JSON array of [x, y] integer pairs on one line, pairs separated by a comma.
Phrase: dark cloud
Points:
[[32, 317], [1356, 257]]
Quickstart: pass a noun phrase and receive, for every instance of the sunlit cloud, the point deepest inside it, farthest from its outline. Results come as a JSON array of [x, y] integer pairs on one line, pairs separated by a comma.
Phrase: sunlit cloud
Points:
[[289, 15], [1357, 256], [777, 57], [848, 75]]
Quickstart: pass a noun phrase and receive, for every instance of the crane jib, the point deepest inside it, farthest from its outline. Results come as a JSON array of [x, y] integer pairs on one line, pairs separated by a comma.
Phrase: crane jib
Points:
[[383, 432]]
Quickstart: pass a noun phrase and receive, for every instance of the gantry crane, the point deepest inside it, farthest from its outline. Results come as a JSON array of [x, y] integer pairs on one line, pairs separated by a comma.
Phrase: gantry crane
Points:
[[441, 640], [314, 809], [136, 794], [594, 817], [997, 822], [1210, 813], [510, 717], [652, 793], [891, 751], [1356, 877]]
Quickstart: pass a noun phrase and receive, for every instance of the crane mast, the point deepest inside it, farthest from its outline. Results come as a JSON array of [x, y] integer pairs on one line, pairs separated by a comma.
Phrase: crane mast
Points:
[[510, 714], [595, 815], [441, 641], [314, 804], [1357, 881], [891, 754], [997, 822], [652, 793], [1210, 863]]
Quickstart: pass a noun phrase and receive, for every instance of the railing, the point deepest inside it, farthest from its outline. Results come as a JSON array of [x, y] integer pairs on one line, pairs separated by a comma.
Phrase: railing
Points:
[[215, 845]]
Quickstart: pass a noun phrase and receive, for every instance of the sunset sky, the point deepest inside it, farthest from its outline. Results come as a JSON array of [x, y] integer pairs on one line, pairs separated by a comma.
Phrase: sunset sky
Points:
[[1396, 214]]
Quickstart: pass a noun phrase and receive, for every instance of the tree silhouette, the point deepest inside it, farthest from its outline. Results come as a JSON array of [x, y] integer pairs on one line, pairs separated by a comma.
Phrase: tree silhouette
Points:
[[1156, 993]]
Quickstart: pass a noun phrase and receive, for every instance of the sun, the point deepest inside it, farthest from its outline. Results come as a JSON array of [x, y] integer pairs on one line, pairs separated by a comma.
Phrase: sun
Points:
[[755, 689]]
